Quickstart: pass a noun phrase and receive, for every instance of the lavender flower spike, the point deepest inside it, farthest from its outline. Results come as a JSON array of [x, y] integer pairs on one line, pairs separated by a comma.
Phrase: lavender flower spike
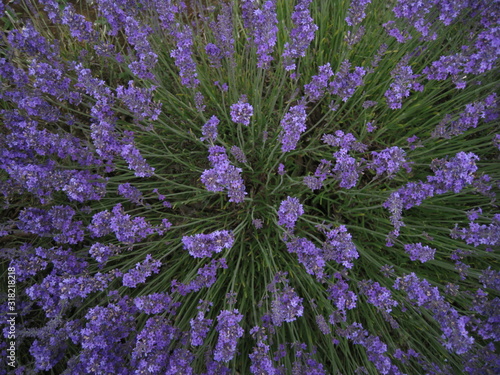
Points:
[[289, 211], [203, 245], [242, 111], [229, 333], [293, 125], [301, 35]]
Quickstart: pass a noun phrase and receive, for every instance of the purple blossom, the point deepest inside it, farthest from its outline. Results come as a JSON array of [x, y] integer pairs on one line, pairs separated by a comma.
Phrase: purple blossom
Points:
[[417, 251], [455, 174], [401, 37], [126, 229], [352, 38], [223, 175], [131, 193], [242, 111], [286, 306], [56, 222], [490, 279], [300, 36], [390, 160], [344, 83], [257, 223], [378, 57], [206, 277], [343, 140], [101, 253], [323, 171], [356, 12], [209, 130], [204, 245], [199, 328], [49, 78], [281, 169], [455, 336], [50, 345], [54, 291], [238, 154], [404, 81], [133, 157], [156, 303], [343, 298], [26, 262], [373, 345], [323, 325], [479, 234], [289, 212], [229, 333], [370, 127], [467, 119], [79, 27], [141, 271], [309, 255], [414, 139], [223, 33], [339, 247], [28, 40], [316, 88], [151, 345], [262, 26], [139, 101], [137, 36], [346, 169], [183, 56], [377, 295], [293, 125], [261, 364], [369, 104]]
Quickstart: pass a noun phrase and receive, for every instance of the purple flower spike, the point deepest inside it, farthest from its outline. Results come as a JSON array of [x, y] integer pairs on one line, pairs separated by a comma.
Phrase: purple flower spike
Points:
[[293, 125], [242, 111], [209, 130], [404, 81], [344, 84], [419, 252], [229, 333], [290, 210], [301, 35], [356, 12], [203, 245], [286, 307], [390, 160], [262, 28], [142, 270]]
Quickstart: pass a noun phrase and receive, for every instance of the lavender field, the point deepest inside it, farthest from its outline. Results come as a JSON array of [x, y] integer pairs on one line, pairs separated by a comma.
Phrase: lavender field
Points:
[[265, 187]]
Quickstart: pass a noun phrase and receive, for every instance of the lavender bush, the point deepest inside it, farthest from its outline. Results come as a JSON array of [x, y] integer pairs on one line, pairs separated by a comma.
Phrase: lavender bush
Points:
[[251, 187]]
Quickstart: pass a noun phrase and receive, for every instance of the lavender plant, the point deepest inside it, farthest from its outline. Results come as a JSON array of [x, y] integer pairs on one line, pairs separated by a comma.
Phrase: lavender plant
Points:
[[251, 187]]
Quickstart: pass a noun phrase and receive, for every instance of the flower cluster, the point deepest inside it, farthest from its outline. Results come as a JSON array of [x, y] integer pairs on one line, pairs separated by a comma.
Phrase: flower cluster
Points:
[[141, 271], [224, 175], [345, 220], [209, 130], [289, 212], [417, 251], [204, 245], [229, 332], [286, 307], [404, 81], [242, 111], [293, 125], [389, 160], [301, 35], [344, 83], [455, 334]]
